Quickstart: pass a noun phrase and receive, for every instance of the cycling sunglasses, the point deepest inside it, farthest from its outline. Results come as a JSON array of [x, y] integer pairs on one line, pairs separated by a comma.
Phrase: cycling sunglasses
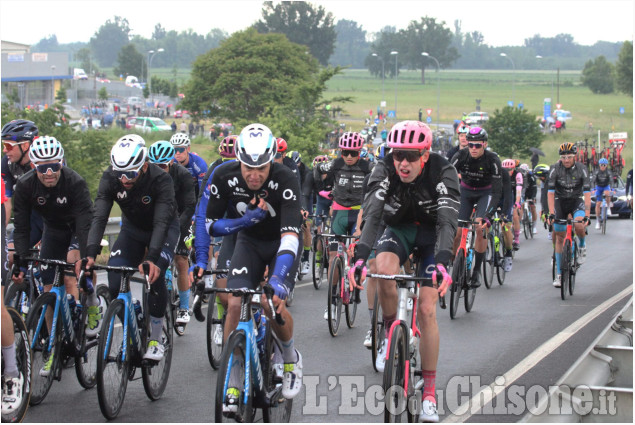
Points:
[[44, 168], [180, 150], [475, 145], [567, 156], [129, 175], [351, 153], [10, 144], [410, 156]]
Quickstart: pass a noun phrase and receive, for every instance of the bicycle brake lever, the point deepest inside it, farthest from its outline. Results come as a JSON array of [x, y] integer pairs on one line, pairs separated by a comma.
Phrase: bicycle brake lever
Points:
[[268, 290]]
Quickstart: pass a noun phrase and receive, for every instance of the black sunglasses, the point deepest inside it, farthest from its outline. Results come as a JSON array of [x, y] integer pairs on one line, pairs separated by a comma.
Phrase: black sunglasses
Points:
[[351, 153], [44, 168], [180, 150], [130, 175], [475, 145], [410, 156]]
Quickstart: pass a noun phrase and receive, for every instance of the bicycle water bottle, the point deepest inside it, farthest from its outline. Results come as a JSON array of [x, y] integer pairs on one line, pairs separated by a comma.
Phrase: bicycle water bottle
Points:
[[260, 321], [168, 279], [74, 308], [38, 279], [470, 253], [138, 311], [90, 288]]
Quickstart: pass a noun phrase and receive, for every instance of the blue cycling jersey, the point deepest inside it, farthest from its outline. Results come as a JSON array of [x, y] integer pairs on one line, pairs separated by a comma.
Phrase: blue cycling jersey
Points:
[[197, 168]]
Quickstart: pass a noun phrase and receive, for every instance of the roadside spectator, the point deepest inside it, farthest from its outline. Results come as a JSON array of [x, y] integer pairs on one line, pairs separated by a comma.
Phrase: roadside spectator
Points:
[[90, 121], [173, 125], [82, 123], [183, 127], [191, 129], [534, 160], [212, 134]]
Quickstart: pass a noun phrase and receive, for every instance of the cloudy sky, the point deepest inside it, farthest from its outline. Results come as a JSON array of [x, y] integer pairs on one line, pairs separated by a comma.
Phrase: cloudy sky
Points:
[[502, 22]]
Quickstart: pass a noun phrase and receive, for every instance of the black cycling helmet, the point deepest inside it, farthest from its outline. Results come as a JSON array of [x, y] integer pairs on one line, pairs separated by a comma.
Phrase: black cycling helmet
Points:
[[19, 130], [567, 148], [541, 170], [477, 134]]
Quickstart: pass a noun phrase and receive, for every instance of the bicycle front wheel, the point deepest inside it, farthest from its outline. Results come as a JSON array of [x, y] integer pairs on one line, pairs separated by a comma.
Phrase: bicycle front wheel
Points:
[[458, 278], [334, 299], [377, 329], [395, 377], [17, 296], [215, 328], [113, 363], [351, 308], [317, 261], [23, 361], [277, 408], [155, 376], [500, 258], [489, 261], [86, 354], [233, 363], [604, 220], [565, 267], [39, 334], [574, 268]]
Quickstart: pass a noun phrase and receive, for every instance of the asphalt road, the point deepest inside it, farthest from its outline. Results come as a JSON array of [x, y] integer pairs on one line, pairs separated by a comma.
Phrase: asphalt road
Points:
[[503, 331]]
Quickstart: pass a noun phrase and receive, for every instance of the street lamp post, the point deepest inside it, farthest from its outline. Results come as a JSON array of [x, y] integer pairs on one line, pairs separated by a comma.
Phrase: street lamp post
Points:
[[151, 54], [513, 77], [383, 94], [52, 85], [426, 54], [396, 53]]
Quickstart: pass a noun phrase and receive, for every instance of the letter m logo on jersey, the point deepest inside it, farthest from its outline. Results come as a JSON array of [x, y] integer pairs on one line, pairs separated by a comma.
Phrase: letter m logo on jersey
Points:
[[233, 182], [272, 185]]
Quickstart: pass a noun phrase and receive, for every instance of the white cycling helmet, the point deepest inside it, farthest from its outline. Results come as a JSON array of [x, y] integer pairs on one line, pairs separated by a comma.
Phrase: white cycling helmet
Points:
[[256, 145], [524, 167], [46, 148], [129, 153], [180, 139]]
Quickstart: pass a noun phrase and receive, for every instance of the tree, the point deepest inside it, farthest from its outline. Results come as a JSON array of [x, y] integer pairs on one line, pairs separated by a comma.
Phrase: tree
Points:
[[129, 62], [598, 76], [624, 69], [84, 58], [351, 46], [102, 94], [109, 39], [302, 23], [48, 44], [512, 131], [61, 95], [389, 40]]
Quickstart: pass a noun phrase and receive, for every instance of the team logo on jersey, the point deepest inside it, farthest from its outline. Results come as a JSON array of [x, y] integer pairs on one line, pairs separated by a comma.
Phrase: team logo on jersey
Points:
[[122, 195], [61, 201], [114, 253], [239, 271], [263, 193], [233, 182], [41, 200], [273, 185], [146, 199], [441, 189]]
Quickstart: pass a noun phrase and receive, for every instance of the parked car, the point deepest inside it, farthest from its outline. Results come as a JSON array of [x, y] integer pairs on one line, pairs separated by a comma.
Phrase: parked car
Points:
[[477, 118], [148, 124], [620, 204], [563, 116], [180, 113]]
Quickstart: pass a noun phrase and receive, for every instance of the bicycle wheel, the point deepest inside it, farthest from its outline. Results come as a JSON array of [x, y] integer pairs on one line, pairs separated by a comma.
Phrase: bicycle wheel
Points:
[[113, 364], [604, 219], [277, 409], [155, 375], [215, 329], [336, 271], [395, 377], [234, 356], [488, 262], [500, 258], [23, 361], [317, 265], [17, 296], [377, 329], [40, 353], [469, 295], [458, 278], [565, 260], [350, 309], [86, 351], [553, 264], [526, 225], [573, 267]]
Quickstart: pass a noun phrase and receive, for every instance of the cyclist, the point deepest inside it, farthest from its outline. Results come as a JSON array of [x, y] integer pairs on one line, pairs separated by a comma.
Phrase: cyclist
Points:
[[17, 136], [161, 153], [194, 163], [12, 378], [348, 173], [461, 133], [530, 190], [480, 172], [510, 219], [306, 184], [281, 158], [542, 172], [322, 188], [149, 222], [260, 201], [569, 193], [416, 193], [602, 179]]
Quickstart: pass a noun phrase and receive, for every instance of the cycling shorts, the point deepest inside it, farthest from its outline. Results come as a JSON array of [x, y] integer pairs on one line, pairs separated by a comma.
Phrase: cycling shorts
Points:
[[471, 197], [401, 241], [322, 207], [227, 248], [344, 222], [599, 192], [564, 207]]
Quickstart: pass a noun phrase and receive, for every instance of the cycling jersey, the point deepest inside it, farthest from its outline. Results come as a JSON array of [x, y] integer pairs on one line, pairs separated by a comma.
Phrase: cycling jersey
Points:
[[480, 173], [185, 198], [506, 202], [11, 173], [603, 178], [291, 165], [517, 182], [197, 168], [348, 180], [568, 183], [150, 205], [67, 206], [281, 192], [529, 184], [431, 200]]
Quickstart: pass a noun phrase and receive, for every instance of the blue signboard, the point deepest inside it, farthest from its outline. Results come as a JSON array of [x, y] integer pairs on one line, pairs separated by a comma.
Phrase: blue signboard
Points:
[[376, 120], [510, 103], [428, 120], [391, 114], [547, 108], [622, 110]]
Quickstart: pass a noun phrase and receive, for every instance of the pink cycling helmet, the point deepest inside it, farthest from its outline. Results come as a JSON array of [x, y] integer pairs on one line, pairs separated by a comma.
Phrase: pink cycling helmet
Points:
[[509, 163], [351, 140], [410, 135], [226, 147]]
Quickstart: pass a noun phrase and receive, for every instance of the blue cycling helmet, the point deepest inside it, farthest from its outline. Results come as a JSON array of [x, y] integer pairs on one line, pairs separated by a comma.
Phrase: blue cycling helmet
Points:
[[363, 153], [161, 152], [604, 161]]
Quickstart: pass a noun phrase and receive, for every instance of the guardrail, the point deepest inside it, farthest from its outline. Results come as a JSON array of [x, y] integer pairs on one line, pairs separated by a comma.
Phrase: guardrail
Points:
[[599, 386]]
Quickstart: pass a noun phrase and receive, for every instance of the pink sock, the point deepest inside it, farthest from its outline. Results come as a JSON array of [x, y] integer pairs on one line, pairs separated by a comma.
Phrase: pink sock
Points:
[[429, 384]]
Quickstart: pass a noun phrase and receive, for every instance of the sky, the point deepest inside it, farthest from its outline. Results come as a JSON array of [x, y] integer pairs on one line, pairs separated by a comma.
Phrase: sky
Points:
[[502, 22]]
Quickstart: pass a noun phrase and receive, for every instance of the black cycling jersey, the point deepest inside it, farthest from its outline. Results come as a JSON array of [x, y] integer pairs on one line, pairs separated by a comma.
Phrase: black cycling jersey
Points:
[[508, 197], [480, 173], [65, 206], [229, 194], [291, 165], [431, 200], [149, 205], [453, 151], [185, 195], [529, 185], [210, 168], [603, 178], [568, 183], [348, 180], [11, 173]]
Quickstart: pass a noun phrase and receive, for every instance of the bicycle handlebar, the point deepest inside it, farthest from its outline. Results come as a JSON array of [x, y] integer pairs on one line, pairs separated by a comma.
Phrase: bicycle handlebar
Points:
[[267, 290]]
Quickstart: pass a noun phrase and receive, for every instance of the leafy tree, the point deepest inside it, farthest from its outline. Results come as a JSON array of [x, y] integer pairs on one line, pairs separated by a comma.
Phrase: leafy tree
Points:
[[109, 39], [130, 61], [388, 41], [61, 95], [47, 44], [102, 94], [624, 69], [302, 23], [351, 46], [512, 131], [598, 76], [159, 32]]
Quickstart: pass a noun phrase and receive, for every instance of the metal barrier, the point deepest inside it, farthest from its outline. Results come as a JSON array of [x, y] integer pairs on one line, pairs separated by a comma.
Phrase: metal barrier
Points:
[[599, 386]]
